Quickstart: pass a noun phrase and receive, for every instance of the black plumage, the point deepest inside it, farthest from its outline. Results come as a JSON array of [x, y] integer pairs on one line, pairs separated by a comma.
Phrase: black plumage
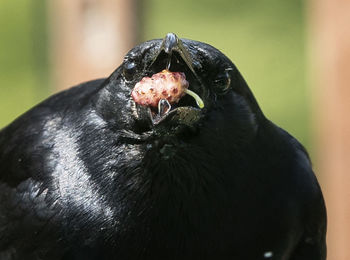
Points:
[[88, 174]]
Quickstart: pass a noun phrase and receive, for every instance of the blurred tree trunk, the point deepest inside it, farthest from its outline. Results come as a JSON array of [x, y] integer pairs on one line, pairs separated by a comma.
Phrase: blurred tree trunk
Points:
[[330, 47], [88, 38]]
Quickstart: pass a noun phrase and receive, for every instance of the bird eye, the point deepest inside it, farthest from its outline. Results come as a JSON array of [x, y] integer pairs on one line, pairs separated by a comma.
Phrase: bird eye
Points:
[[222, 83], [129, 69]]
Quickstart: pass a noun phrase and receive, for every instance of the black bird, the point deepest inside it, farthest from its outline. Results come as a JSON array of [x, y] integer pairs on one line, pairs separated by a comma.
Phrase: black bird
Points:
[[89, 174]]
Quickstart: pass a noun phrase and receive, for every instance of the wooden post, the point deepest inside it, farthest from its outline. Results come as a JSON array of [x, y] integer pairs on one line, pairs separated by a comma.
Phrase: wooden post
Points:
[[88, 38], [330, 47]]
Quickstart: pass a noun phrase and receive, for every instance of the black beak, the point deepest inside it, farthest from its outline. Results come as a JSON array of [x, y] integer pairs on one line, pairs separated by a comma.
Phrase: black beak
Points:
[[172, 44], [174, 56]]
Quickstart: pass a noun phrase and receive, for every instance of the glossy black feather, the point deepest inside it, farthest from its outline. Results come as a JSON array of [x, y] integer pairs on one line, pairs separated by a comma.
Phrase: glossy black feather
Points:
[[85, 174]]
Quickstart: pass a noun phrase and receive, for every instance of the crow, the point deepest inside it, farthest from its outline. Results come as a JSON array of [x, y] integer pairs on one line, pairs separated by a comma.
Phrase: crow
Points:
[[91, 174]]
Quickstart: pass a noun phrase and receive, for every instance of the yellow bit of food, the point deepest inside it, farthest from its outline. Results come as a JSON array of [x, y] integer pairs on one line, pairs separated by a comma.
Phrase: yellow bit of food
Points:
[[199, 101]]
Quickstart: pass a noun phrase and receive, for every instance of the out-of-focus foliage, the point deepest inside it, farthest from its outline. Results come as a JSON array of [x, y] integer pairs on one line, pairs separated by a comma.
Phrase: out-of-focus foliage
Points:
[[265, 39], [23, 70]]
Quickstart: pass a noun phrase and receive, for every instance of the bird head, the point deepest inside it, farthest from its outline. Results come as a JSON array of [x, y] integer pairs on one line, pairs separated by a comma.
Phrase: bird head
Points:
[[219, 93]]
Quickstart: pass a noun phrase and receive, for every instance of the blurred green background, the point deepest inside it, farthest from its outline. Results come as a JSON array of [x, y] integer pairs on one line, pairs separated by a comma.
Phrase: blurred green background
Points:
[[264, 38]]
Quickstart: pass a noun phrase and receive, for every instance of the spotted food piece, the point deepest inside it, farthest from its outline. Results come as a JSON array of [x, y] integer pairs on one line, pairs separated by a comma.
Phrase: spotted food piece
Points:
[[163, 85]]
